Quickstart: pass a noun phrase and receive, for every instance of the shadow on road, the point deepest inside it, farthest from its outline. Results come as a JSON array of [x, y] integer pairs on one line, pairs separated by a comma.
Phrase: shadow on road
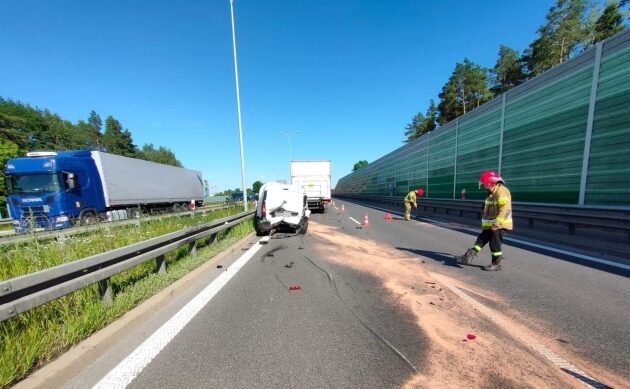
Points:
[[445, 258]]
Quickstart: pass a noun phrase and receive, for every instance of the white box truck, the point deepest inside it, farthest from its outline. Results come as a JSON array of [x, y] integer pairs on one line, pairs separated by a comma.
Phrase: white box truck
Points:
[[314, 177]]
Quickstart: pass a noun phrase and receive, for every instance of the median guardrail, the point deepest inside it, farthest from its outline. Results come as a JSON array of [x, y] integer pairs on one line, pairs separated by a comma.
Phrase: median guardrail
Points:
[[571, 216], [23, 293], [11, 238]]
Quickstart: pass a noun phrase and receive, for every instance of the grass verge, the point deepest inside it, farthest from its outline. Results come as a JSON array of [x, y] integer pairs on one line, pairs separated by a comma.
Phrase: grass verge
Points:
[[35, 337], [36, 254]]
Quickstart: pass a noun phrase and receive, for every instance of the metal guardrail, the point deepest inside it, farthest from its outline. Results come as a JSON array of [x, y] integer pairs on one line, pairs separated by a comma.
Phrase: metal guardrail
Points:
[[23, 293], [11, 237], [572, 216], [6, 221]]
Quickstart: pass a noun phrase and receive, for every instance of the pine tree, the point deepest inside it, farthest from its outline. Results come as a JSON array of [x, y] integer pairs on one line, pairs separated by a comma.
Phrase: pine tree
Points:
[[465, 90], [557, 39], [609, 23], [95, 121], [118, 140], [359, 165], [508, 72], [412, 130]]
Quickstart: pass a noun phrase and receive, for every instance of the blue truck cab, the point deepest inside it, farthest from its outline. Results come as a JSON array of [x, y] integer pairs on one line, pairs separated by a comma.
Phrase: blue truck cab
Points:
[[50, 190]]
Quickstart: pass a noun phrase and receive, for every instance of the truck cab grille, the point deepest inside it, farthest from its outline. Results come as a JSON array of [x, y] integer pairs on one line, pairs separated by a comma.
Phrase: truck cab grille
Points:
[[34, 215]]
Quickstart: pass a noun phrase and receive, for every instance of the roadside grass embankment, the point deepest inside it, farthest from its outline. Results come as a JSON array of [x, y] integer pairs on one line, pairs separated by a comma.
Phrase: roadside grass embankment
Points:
[[35, 337]]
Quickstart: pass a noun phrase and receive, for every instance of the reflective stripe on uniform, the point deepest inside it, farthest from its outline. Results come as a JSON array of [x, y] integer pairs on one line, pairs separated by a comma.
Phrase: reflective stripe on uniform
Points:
[[497, 253], [487, 222], [476, 248], [502, 200]]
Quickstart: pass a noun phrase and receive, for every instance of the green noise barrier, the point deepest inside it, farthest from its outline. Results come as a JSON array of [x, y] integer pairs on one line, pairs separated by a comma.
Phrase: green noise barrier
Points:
[[560, 138]]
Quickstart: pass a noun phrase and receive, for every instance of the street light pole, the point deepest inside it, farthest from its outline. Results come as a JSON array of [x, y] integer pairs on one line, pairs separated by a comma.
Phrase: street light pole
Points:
[[238, 107], [288, 135]]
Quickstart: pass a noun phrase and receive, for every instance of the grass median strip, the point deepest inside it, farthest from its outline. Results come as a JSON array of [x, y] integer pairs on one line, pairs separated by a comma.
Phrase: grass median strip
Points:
[[37, 336]]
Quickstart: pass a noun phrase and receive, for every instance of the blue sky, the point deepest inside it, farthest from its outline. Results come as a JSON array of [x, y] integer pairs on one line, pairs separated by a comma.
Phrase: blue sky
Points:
[[348, 75]]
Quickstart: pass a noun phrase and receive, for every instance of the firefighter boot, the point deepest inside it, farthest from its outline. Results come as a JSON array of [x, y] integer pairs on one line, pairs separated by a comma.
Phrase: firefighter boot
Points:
[[495, 265], [468, 256]]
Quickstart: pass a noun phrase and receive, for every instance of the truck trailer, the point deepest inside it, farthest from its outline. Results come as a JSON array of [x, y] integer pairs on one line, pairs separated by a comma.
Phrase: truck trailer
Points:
[[53, 190], [314, 177]]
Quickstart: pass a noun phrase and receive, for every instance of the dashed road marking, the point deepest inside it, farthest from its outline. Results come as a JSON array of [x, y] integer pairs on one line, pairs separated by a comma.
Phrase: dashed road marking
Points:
[[354, 220]]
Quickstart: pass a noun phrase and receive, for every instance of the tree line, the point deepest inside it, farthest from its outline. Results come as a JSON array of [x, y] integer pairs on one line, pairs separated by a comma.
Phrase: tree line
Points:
[[572, 26], [24, 128], [255, 189]]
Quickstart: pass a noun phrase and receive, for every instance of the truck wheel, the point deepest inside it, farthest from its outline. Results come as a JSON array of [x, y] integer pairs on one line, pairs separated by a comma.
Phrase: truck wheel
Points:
[[88, 218]]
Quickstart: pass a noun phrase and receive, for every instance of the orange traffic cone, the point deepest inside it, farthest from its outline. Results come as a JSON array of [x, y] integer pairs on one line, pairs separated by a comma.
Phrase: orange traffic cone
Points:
[[366, 222], [388, 216], [342, 208]]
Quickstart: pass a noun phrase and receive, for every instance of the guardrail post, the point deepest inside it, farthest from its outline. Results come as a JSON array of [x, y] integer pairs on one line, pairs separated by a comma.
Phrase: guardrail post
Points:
[[105, 289], [160, 264], [192, 247]]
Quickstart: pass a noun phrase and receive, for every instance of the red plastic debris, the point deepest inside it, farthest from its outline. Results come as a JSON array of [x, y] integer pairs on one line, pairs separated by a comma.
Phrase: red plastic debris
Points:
[[471, 336], [294, 288]]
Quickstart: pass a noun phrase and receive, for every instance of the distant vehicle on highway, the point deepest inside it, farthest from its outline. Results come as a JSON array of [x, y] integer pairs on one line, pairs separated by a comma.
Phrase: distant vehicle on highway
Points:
[[52, 190], [235, 197]]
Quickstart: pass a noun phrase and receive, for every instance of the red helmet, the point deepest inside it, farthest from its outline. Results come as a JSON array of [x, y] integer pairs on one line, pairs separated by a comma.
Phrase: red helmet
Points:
[[489, 177], [420, 191]]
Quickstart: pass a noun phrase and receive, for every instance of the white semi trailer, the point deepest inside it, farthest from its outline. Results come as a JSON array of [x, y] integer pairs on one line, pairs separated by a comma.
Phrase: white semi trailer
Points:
[[314, 177]]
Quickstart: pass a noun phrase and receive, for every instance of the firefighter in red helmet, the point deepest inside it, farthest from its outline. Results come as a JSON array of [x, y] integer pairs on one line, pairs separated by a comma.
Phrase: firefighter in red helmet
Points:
[[410, 201], [496, 219]]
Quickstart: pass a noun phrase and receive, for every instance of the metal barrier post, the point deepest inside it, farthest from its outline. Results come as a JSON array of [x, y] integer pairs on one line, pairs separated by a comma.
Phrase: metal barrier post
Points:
[[160, 264], [105, 289]]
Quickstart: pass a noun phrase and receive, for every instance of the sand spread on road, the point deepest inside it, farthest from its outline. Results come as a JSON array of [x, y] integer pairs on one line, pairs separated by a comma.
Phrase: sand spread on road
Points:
[[492, 359]]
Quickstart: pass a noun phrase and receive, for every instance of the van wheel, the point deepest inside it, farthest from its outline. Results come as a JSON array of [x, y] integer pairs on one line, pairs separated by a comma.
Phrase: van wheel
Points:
[[304, 227]]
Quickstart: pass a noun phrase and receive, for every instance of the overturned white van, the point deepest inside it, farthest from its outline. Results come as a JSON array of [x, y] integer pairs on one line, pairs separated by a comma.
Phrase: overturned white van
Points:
[[281, 206]]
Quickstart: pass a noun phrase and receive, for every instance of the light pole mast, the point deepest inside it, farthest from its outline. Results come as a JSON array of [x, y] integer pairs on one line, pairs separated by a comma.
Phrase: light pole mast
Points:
[[238, 107], [288, 135]]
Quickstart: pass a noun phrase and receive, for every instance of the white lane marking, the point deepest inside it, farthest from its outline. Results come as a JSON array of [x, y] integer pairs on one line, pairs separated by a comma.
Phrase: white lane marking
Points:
[[354, 220], [530, 244], [577, 255], [130, 367], [527, 340]]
